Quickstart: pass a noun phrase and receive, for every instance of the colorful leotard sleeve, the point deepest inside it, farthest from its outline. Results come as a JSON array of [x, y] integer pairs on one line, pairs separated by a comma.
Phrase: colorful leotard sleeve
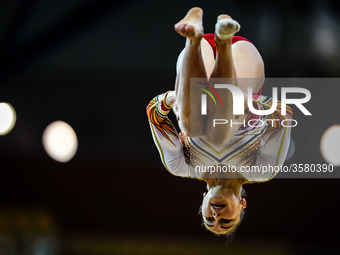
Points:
[[167, 139], [275, 141]]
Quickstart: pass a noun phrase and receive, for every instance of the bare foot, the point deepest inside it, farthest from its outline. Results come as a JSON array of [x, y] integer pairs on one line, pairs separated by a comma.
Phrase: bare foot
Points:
[[191, 25], [223, 16], [226, 27]]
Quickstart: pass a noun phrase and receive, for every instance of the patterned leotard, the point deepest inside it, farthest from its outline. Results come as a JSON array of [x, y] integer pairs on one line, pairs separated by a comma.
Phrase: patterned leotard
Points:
[[251, 146]]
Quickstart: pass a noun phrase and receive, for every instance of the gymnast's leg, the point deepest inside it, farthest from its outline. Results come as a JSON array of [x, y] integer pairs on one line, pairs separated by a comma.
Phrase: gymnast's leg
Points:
[[240, 60], [224, 68], [190, 64]]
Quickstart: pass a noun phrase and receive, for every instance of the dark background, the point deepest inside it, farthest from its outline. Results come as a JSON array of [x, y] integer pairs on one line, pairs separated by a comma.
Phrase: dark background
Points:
[[96, 65]]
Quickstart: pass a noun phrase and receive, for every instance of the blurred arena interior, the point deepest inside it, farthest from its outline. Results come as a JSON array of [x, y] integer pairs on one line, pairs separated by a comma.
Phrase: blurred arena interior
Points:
[[96, 65]]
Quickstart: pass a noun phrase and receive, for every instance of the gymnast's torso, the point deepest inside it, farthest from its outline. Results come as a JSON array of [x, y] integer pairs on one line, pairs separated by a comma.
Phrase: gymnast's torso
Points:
[[262, 145]]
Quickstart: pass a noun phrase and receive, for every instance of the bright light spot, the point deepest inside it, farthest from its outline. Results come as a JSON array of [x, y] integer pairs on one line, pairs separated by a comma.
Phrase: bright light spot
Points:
[[325, 34], [330, 145], [60, 141], [7, 118]]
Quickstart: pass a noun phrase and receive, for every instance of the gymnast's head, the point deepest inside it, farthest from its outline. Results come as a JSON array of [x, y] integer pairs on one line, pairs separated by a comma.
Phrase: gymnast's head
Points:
[[223, 206]]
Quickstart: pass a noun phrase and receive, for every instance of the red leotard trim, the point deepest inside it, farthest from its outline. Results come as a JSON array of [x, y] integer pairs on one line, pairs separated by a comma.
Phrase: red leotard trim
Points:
[[211, 40]]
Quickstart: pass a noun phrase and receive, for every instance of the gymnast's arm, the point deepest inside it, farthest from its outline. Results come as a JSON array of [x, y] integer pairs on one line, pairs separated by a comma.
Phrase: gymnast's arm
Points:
[[274, 151], [165, 135], [275, 143]]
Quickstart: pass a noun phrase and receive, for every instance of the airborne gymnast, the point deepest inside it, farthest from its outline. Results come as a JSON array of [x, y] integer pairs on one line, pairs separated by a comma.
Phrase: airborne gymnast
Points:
[[199, 144]]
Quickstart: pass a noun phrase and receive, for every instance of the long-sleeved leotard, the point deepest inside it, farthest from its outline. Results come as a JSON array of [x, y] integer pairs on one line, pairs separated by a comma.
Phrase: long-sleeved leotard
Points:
[[265, 145]]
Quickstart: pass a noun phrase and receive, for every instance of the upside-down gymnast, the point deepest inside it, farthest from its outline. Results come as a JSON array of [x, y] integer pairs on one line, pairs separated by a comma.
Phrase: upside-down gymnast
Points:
[[208, 56]]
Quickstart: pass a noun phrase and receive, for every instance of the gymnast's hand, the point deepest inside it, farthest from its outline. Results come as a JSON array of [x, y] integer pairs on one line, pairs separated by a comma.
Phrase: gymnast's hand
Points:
[[170, 101]]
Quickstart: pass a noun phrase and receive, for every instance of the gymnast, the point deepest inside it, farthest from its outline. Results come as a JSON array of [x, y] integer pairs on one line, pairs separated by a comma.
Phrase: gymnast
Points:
[[200, 144]]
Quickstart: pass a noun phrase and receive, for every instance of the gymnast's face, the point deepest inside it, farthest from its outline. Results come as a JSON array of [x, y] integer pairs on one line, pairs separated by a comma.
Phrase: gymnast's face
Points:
[[221, 210]]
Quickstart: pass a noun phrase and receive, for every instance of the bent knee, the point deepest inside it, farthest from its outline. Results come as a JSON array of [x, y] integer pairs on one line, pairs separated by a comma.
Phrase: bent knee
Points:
[[248, 64], [247, 60]]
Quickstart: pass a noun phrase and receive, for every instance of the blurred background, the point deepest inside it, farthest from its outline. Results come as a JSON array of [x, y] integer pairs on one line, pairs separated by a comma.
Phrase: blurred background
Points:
[[95, 65]]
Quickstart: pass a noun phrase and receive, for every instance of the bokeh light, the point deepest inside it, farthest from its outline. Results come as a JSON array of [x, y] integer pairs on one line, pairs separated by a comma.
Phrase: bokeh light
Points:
[[325, 27], [7, 118], [60, 141], [330, 145]]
